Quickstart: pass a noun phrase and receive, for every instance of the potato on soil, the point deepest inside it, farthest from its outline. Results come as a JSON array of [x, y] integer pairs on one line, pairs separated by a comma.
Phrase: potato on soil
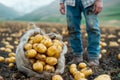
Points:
[[78, 76], [57, 77], [11, 54], [103, 77], [82, 65], [2, 59], [11, 65]]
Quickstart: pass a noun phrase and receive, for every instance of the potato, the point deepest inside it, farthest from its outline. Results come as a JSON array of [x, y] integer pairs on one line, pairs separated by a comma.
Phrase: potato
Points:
[[38, 38], [87, 72], [103, 51], [73, 70], [31, 37], [2, 48], [47, 42], [100, 56], [41, 57], [35, 46], [103, 77], [57, 77], [31, 53], [10, 60], [52, 51], [41, 48], [27, 46], [73, 66], [118, 56], [11, 65], [42, 62], [49, 68], [78, 76], [82, 65], [57, 42], [38, 67], [2, 59], [9, 46], [11, 54], [51, 61], [30, 41], [8, 50]]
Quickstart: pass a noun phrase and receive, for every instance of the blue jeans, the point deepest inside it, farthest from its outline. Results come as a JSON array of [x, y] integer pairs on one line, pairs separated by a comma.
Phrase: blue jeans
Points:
[[74, 20]]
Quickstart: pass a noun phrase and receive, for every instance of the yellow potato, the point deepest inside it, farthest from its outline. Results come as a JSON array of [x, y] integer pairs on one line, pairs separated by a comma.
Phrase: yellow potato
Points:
[[9, 46], [54, 51], [49, 68], [73, 66], [79, 76], [57, 77], [11, 54], [8, 50], [30, 41], [41, 57], [51, 61], [118, 56], [57, 42], [42, 62], [47, 42], [27, 46], [38, 38], [41, 48], [31, 53], [2, 59], [82, 65], [73, 70], [87, 72], [10, 60], [11, 65], [103, 77], [51, 51], [38, 67], [35, 46]]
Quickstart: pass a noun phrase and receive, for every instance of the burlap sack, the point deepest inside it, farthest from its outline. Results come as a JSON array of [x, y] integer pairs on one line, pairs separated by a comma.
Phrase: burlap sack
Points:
[[23, 63]]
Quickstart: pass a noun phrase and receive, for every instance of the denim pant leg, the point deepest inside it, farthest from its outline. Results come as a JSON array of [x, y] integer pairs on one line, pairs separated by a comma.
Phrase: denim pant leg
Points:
[[73, 23], [93, 31]]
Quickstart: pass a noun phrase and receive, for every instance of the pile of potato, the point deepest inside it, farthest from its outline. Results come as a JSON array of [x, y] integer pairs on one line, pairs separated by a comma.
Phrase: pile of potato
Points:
[[10, 60], [80, 71], [43, 52]]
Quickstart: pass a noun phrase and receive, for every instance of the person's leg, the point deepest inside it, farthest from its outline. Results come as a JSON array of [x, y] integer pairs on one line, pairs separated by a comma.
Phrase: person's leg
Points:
[[93, 31], [73, 23]]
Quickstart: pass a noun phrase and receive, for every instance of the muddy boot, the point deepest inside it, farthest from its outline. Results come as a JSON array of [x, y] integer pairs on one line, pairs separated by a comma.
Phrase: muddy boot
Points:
[[93, 62], [76, 59]]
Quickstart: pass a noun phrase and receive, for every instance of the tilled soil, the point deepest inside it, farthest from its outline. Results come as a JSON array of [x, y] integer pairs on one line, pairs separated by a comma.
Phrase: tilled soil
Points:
[[109, 63]]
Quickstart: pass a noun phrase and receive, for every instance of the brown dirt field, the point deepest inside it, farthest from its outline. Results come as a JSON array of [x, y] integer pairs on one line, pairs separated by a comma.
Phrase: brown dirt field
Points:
[[109, 63]]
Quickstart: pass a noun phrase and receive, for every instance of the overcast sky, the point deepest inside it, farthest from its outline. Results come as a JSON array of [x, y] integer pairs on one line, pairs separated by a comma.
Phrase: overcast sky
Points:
[[25, 6]]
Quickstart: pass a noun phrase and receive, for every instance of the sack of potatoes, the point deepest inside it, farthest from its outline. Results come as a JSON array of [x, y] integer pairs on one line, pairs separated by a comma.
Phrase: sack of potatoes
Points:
[[40, 55]]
